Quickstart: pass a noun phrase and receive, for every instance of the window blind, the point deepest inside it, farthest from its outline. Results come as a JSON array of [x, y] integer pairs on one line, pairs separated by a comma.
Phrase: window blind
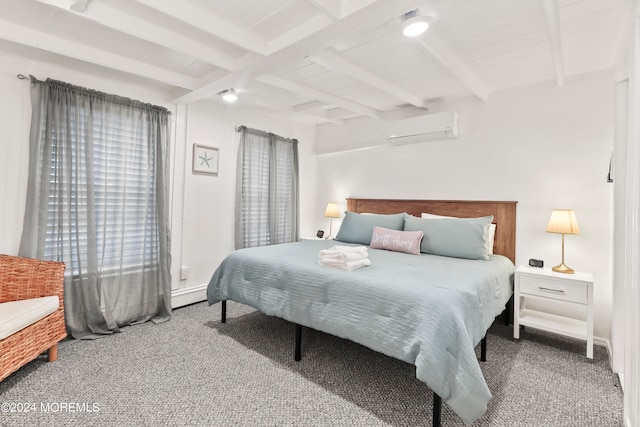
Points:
[[121, 208], [267, 189]]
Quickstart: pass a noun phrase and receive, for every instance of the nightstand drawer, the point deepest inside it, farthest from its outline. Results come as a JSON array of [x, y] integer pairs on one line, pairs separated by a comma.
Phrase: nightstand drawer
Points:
[[555, 289]]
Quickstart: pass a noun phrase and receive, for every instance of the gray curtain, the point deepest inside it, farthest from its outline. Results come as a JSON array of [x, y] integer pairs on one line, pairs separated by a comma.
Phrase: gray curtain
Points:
[[267, 189], [98, 200]]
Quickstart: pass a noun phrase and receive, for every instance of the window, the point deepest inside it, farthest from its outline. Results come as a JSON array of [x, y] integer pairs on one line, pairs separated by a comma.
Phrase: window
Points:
[[267, 196], [97, 199], [117, 208]]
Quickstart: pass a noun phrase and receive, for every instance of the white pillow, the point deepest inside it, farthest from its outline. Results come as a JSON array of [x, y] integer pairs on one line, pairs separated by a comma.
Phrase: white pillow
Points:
[[489, 231]]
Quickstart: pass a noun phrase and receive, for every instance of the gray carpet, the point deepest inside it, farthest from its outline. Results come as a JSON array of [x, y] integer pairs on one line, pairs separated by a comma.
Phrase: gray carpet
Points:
[[195, 371]]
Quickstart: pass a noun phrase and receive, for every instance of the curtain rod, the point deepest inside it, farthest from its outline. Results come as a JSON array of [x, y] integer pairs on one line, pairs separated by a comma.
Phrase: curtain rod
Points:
[[262, 132], [146, 104]]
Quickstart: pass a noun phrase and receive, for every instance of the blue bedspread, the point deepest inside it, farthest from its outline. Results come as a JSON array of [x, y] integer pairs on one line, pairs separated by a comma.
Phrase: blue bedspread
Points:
[[427, 310]]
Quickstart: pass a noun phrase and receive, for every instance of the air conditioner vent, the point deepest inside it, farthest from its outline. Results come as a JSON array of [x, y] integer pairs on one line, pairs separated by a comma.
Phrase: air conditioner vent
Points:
[[430, 127]]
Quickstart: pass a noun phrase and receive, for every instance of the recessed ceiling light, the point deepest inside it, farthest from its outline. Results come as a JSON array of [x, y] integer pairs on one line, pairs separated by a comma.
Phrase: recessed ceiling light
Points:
[[415, 28], [229, 95], [414, 23]]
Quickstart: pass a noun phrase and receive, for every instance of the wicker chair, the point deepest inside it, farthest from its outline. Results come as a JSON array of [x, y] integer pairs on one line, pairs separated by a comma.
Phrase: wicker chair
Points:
[[24, 278]]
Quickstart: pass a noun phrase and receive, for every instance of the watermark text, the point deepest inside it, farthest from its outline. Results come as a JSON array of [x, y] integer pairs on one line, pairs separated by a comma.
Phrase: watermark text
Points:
[[49, 407]]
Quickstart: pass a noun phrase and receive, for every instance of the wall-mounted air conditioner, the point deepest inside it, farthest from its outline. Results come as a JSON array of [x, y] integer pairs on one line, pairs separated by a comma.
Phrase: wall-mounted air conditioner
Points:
[[430, 127]]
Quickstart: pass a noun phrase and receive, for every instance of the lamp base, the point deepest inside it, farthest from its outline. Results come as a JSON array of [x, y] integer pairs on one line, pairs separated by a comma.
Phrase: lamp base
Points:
[[563, 268], [330, 236]]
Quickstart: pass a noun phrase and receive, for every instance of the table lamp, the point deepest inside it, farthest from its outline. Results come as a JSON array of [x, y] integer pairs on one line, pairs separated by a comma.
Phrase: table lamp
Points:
[[563, 221], [332, 211]]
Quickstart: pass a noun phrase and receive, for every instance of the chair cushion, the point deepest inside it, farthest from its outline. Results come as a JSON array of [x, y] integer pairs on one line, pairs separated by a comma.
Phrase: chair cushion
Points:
[[16, 315]]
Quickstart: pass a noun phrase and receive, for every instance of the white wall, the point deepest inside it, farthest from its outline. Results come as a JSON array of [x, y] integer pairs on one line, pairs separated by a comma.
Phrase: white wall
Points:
[[620, 234], [544, 146], [202, 206], [630, 286]]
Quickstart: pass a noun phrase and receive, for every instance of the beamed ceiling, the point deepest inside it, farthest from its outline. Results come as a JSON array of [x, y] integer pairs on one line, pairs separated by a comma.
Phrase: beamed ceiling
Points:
[[323, 61]]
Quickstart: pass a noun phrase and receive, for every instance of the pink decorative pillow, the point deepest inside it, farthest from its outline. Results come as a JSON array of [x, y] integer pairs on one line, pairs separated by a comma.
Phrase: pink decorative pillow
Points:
[[398, 241]]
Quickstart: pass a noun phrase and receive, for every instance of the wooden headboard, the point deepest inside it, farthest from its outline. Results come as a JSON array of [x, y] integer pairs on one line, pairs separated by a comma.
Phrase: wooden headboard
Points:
[[504, 215]]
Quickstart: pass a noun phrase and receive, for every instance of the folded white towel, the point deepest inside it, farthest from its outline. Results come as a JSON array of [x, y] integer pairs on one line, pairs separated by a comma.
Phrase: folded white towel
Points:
[[331, 261], [349, 253], [343, 256], [345, 265]]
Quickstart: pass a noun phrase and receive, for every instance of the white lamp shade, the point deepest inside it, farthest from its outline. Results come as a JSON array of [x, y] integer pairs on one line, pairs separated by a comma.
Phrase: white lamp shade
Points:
[[332, 210], [563, 221]]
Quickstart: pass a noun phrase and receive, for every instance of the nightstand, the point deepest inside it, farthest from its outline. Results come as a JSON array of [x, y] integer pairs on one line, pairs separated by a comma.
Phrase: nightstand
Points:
[[568, 289]]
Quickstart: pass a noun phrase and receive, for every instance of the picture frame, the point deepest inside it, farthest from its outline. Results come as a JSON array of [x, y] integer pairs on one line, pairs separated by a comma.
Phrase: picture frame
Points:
[[205, 160]]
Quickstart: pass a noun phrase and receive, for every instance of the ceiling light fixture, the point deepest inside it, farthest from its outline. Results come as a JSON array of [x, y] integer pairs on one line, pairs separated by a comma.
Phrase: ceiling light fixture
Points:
[[80, 6], [414, 23], [229, 95]]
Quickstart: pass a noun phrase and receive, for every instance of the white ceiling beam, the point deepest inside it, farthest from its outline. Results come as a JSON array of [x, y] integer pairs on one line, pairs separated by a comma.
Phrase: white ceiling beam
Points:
[[361, 21], [553, 26], [332, 59], [209, 23], [338, 9], [340, 113], [62, 4], [322, 109], [298, 33], [455, 66], [105, 14], [350, 6], [318, 95], [333, 8], [48, 42], [275, 105], [324, 116], [272, 112], [216, 74], [309, 106]]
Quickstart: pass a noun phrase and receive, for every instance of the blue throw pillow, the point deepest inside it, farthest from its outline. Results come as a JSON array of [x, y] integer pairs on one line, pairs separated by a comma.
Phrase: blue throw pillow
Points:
[[358, 228], [452, 237]]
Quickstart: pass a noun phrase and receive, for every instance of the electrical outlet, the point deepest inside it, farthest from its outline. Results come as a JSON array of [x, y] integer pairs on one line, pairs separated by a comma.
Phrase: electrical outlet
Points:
[[184, 273]]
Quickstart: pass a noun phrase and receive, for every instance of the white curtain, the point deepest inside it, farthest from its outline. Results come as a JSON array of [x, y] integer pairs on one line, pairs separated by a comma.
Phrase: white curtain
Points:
[[97, 199], [267, 190]]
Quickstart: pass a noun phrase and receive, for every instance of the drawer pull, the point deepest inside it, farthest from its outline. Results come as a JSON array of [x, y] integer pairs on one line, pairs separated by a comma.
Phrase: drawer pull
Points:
[[558, 291]]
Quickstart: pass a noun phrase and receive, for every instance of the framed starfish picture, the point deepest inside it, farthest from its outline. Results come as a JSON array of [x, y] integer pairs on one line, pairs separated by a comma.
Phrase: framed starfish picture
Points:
[[205, 159]]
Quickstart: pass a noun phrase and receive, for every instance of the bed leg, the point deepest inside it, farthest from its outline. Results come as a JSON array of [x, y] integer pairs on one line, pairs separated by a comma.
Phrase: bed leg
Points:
[[437, 410], [483, 349], [224, 311], [298, 334]]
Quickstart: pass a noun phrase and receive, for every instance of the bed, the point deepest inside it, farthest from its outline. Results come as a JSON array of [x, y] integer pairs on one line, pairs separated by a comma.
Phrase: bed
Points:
[[428, 310]]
